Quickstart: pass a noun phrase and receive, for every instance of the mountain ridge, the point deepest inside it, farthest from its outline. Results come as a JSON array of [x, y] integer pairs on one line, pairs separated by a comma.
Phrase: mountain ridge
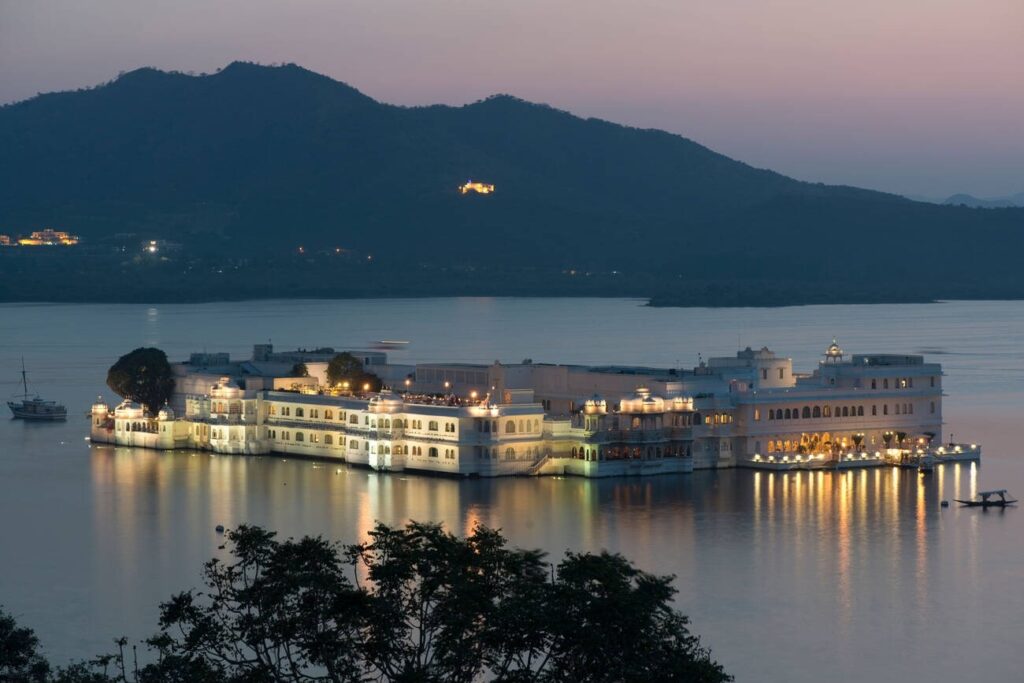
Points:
[[253, 161]]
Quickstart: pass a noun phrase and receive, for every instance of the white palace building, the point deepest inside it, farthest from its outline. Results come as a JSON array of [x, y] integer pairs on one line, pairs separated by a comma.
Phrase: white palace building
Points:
[[748, 410]]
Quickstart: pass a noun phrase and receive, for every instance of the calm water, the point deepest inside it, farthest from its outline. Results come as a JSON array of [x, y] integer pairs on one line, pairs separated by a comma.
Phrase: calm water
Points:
[[788, 577]]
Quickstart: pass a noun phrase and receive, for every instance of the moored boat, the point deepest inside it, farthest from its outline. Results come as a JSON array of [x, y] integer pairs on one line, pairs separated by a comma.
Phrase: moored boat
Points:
[[987, 499], [33, 407]]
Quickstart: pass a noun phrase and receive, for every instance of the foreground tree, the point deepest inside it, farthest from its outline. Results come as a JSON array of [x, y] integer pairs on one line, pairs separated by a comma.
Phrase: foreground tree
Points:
[[421, 605], [144, 376], [20, 661]]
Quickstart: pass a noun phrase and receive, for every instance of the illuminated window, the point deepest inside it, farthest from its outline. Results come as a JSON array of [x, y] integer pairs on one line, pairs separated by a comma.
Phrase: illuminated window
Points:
[[757, 414]]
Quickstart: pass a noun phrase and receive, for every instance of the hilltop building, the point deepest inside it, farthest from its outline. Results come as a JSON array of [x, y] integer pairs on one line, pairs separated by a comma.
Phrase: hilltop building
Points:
[[749, 410]]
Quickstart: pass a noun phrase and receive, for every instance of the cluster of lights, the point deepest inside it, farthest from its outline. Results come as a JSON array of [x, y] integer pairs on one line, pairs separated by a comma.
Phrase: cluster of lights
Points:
[[41, 238], [479, 188]]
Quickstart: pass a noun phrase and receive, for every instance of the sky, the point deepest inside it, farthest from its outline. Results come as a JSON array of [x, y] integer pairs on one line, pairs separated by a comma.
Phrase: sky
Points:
[[919, 97]]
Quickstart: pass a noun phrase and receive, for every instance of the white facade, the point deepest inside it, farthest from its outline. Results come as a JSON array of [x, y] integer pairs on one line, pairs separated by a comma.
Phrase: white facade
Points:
[[492, 420]]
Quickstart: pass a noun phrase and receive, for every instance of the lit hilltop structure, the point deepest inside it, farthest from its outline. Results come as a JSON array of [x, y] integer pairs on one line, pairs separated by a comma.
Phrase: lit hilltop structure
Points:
[[747, 410]]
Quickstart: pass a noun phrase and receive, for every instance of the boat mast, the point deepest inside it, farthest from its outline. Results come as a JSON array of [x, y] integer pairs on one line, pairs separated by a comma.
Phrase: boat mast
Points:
[[24, 380]]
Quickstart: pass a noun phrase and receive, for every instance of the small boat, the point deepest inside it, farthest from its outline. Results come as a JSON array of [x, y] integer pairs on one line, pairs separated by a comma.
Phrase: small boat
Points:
[[34, 408], [988, 499], [926, 464]]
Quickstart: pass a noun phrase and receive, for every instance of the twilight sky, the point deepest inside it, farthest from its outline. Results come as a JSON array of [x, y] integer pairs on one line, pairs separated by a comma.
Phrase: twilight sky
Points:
[[924, 97]]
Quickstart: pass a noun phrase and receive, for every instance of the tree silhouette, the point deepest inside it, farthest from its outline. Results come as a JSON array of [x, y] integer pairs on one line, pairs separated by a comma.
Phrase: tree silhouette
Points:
[[144, 376]]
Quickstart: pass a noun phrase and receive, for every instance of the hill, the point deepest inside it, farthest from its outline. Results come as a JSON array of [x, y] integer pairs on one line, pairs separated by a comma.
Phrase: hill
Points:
[[246, 165]]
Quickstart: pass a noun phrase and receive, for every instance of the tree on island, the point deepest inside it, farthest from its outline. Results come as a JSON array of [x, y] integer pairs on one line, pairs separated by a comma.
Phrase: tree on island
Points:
[[421, 605], [345, 367], [143, 376]]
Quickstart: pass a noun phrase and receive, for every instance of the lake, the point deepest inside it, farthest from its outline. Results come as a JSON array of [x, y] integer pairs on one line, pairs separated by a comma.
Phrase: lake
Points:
[[787, 577]]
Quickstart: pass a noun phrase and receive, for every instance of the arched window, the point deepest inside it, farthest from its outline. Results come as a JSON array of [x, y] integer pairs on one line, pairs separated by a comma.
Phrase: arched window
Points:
[[816, 412], [846, 412], [299, 436], [299, 412], [328, 414], [788, 414], [771, 414], [432, 452], [860, 411], [432, 426], [510, 427], [510, 454], [806, 412]]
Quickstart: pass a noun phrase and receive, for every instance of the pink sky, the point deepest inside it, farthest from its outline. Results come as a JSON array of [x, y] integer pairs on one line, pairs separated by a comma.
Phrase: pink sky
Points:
[[924, 97]]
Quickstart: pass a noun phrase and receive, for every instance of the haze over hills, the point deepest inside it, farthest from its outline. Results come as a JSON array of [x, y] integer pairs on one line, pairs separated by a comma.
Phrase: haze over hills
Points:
[[252, 162], [1015, 200]]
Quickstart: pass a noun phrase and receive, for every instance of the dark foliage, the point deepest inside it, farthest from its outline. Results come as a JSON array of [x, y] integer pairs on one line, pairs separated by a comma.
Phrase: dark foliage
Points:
[[20, 660], [346, 369], [413, 604], [144, 376]]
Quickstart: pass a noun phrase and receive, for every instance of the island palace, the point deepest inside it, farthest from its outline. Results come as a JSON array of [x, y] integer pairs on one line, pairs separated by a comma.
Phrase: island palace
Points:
[[747, 410]]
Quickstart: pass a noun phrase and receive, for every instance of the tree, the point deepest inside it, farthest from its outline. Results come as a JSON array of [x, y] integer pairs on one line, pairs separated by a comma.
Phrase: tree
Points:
[[421, 605], [20, 661], [345, 367], [144, 376], [300, 370]]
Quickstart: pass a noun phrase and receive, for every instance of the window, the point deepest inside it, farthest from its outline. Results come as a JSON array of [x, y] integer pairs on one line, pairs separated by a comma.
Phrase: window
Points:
[[432, 452], [353, 444], [314, 413], [806, 412], [846, 412], [354, 419], [510, 427], [314, 437], [328, 414], [328, 440], [510, 454], [933, 381], [771, 414], [764, 373], [816, 412], [789, 414], [757, 414], [827, 411], [273, 409], [782, 371], [299, 436], [860, 411], [874, 410], [885, 409], [874, 384], [885, 383], [933, 407], [286, 411], [432, 426], [299, 412], [449, 427]]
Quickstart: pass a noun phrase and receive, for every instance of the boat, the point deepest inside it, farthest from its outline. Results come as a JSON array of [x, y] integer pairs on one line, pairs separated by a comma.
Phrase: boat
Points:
[[988, 499], [34, 408], [926, 464]]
